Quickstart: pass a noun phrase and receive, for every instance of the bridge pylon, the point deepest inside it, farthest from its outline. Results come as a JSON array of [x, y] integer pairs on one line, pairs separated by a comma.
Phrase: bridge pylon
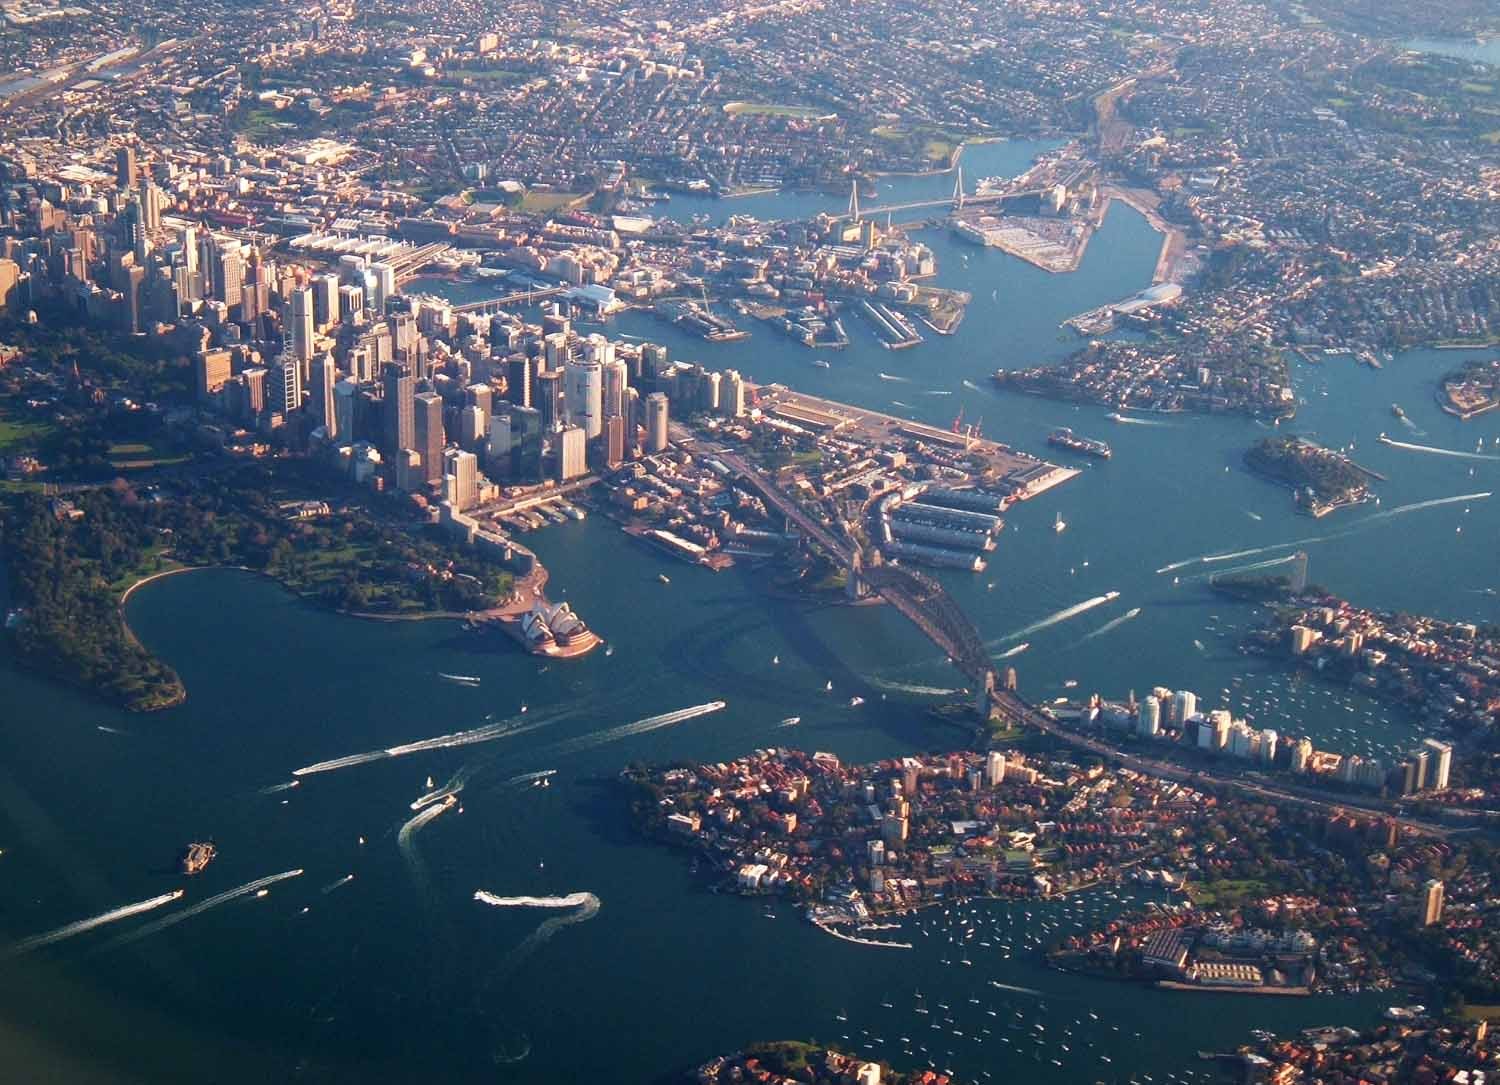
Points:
[[984, 695], [855, 585], [958, 190]]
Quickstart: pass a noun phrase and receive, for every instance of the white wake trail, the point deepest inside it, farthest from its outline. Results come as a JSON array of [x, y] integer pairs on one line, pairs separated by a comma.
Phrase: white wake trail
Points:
[[1432, 450], [907, 687], [1129, 421], [1114, 623], [892, 377], [274, 788], [639, 727], [1009, 652], [157, 925], [585, 906], [331, 886], [970, 385], [1358, 525], [26, 945], [1061, 616]]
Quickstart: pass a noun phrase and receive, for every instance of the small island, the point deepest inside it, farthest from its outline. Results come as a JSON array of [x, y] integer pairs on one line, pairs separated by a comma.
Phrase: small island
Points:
[[1472, 390], [1321, 479]]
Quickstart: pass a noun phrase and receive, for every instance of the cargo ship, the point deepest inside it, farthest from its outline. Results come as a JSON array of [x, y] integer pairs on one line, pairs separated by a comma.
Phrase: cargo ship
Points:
[[197, 856], [1066, 438]]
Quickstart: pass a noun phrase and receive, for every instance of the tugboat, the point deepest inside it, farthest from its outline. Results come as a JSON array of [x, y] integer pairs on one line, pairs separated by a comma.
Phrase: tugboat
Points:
[[197, 856]]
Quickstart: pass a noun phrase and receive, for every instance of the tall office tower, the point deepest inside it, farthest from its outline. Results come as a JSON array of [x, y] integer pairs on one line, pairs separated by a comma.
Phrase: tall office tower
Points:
[[472, 425], [303, 324], [518, 380], [612, 441], [152, 199], [125, 168], [583, 395], [1432, 902], [430, 436], [732, 394], [228, 270], [1184, 704], [994, 768], [1148, 718], [483, 397], [409, 476], [1439, 762], [404, 333], [255, 293], [382, 280], [211, 368], [351, 304], [633, 410], [460, 478], [526, 444], [135, 230], [325, 290], [323, 372], [255, 391], [653, 360], [284, 386], [616, 381], [1269, 740], [554, 350], [656, 422], [549, 399], [572, 453], [345, 410], [497, 444], [189, 245], [400, 430]]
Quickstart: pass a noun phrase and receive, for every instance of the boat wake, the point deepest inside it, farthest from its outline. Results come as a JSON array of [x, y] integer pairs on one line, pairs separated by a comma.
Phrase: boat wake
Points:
[[1116, 416], [26, 945], [898, 403], [112, 730], [970, 385], [506, 728], [1113, 624], [158, 925], [907, 687], [410, 829], [1060, 616], [1010, 652], [1018, 990], [1432, 450], [936, 392], [331, 886], [583, 906], [1254, 515], [274, 788], [1369, 521], [891, 377], [639, 727]]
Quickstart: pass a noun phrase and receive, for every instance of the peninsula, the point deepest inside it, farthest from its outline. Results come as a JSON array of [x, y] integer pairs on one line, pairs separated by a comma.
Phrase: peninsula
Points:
[[1321, 479]]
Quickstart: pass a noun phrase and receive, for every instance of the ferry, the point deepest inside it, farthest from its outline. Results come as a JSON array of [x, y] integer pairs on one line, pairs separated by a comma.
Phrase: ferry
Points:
[[1397, 411], [664, 578], [197, 856], [855, 702], [791, 721], [1066, 438], [821, 364], [1059, 525]]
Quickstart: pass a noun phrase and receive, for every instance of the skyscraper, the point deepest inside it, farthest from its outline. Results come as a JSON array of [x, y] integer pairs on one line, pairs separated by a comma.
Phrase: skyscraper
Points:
[[382, 280], [583, 396], [656, 422], [1439, 763], [228, 270], [1432, 902], [284, 386], [1148, 718], [549, 399], [303, 324], [732, 394], [616, 380], [430, 437], [345, 410], [325, 290], [211, 368], [460, 478], [572, 453], [125, 167], [399, 412], [323, 374], [518, 380]]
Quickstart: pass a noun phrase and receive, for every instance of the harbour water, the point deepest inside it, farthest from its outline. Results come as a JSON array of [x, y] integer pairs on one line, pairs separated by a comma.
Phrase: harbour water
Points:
[[401, 974]]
